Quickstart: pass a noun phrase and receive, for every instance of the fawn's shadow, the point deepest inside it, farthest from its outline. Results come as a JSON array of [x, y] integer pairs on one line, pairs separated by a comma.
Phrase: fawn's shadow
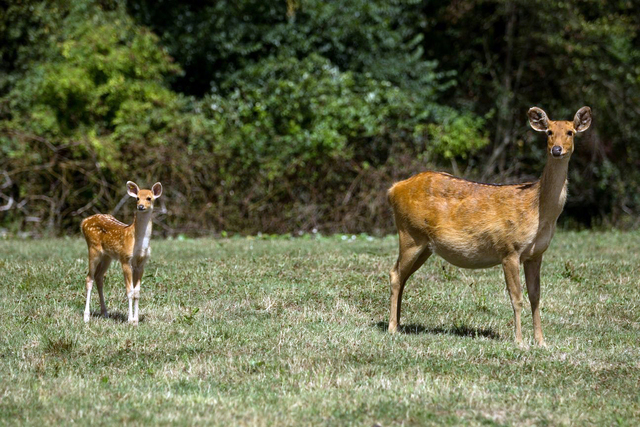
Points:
[[116, 316], [459, 330]]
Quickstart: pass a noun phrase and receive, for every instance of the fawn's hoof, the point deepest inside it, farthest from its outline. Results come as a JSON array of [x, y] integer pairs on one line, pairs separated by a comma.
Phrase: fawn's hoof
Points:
[[87, 316]]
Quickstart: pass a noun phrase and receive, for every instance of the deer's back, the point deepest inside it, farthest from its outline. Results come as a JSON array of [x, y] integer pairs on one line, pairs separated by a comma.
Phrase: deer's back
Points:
[[106, 233]]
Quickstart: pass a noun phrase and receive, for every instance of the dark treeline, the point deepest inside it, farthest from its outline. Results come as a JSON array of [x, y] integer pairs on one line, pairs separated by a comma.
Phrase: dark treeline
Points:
[[291, 115]]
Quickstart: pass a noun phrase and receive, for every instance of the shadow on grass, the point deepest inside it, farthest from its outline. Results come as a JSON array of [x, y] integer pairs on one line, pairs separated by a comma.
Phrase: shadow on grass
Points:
[[116, 316], [459, 330]]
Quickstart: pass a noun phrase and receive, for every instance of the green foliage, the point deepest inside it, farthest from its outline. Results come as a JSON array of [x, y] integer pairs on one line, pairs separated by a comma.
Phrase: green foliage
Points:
[[26, 29], [102, 73], [214, 40], [458, 137], [284, 112]]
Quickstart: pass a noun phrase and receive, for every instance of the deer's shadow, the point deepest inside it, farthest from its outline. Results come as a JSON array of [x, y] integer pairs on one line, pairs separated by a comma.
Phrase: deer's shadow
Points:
[[458, 330], [115, 316]]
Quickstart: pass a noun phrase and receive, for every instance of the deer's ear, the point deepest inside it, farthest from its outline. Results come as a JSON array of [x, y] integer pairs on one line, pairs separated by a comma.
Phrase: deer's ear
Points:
[[132, 189], [538, 119], [582, 120], [157, 190]]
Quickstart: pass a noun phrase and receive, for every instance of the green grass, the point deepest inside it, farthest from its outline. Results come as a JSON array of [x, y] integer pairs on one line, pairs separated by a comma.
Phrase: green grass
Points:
[[293, 332]]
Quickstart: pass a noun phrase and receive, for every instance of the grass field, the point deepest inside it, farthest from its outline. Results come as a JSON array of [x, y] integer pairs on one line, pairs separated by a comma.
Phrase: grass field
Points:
[[293, 332]]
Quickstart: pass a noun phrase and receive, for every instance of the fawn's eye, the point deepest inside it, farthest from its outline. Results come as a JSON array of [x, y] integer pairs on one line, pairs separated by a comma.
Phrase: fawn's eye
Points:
[[137, 199], [570, 133], [549, 133], [149, 198]]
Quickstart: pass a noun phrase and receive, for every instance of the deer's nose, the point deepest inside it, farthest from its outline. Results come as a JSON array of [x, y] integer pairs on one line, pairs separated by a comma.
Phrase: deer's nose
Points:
[[140, 207], [556, 151]]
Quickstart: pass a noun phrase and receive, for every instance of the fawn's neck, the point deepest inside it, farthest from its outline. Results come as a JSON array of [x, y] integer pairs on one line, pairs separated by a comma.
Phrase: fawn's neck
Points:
[[553, 190], [141, 233]]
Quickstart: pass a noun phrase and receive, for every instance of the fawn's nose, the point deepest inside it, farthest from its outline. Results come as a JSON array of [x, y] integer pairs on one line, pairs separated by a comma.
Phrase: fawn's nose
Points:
[[141, 207], [556, 151]]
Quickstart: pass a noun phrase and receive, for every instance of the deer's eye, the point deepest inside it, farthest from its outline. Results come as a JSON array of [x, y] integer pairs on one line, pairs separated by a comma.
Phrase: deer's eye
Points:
[[149, 198], [137, 199], [549, 132], [570, 133]]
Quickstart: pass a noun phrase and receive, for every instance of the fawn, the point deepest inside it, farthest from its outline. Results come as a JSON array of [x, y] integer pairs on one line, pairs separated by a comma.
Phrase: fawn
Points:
[[108, 239], [475, 225]]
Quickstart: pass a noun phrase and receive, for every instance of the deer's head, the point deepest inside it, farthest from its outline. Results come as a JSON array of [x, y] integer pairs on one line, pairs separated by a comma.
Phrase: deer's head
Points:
[[560, 133], [144, 198]]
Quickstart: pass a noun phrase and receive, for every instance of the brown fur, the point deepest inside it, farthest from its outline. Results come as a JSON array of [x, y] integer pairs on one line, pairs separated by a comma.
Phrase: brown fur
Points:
[[474, 225]]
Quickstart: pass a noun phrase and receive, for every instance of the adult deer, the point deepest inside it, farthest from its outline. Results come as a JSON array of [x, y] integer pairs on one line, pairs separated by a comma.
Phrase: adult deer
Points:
[[108, 239], [475, 225]]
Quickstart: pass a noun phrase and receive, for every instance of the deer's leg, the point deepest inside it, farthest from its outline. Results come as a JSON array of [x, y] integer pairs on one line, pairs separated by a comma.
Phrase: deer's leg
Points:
[[94, 260], [532, 277], [128, 282], [137, 279], [411, 257], [102, 268], [511, 267]]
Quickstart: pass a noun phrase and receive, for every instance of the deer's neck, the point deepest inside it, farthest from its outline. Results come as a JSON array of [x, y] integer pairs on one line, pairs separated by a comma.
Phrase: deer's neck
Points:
[[141, 234], [553, 190]]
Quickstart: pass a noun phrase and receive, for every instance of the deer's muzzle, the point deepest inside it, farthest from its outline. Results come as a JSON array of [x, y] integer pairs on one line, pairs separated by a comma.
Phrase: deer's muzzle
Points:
[[556, 151]]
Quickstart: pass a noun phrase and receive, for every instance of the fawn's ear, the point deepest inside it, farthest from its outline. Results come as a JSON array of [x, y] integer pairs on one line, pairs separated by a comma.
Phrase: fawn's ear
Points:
[[157, 190], [132, 189], [538, 119], [582, 120]]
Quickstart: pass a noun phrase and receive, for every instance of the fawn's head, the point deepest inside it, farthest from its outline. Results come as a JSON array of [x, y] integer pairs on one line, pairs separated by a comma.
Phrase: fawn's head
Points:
[[560, 133], [144, 198]]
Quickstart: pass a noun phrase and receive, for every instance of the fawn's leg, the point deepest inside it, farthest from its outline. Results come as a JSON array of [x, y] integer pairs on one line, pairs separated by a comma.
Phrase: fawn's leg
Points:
[[102, 268], [137, 279], [128, 282], [94, 260]]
